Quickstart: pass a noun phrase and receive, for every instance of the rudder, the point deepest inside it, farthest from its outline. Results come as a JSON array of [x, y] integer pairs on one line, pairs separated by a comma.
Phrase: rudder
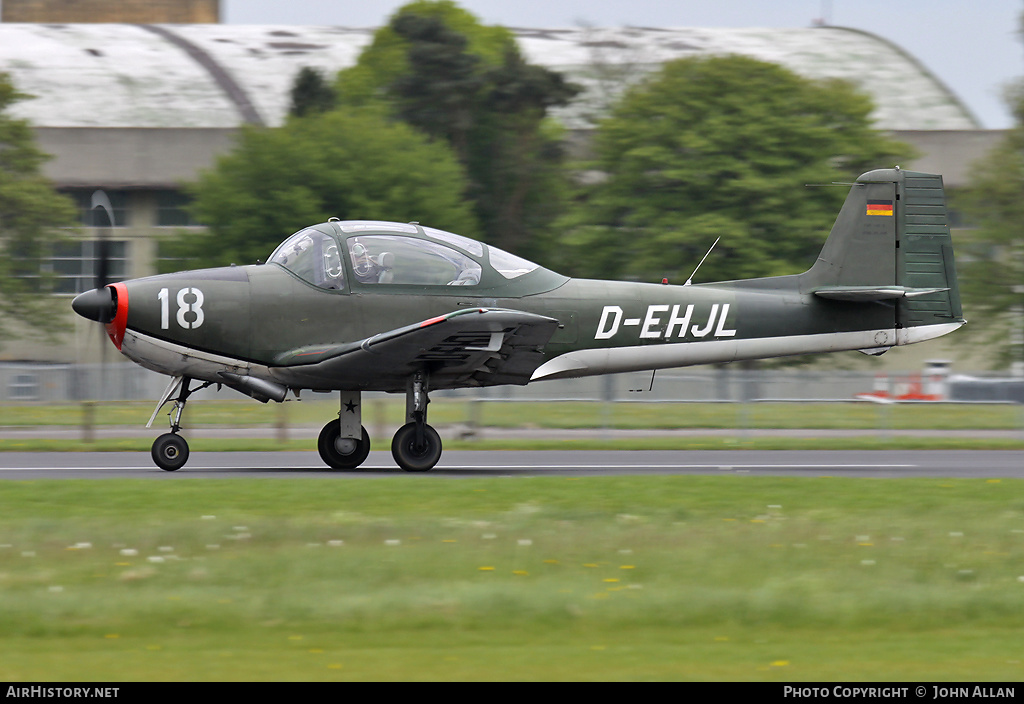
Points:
[[925, 254]]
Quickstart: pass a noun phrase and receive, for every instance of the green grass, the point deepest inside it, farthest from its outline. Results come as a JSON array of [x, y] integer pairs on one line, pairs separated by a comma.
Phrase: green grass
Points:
[[390, 412], [590, 578]]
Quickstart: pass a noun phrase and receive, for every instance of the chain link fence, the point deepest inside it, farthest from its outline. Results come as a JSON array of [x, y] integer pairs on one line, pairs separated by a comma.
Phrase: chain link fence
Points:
[[71, 383]]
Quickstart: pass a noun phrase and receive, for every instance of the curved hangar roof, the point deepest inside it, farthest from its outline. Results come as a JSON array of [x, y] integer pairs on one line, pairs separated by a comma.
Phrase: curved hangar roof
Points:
[[219, 76]]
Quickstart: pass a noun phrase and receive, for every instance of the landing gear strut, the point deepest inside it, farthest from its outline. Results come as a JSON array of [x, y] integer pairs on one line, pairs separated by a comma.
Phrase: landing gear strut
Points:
[[170, 451], [416, 446], [344, 442]]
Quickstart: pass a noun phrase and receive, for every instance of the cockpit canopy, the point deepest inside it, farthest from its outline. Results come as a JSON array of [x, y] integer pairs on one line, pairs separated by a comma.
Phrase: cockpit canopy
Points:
[[385, 253]]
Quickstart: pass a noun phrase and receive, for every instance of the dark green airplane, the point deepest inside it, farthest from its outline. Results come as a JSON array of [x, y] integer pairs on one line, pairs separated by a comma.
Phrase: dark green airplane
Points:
[[356, 306]]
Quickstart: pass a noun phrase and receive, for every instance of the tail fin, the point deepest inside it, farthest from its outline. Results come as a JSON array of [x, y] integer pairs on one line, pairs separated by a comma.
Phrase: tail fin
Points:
[[891, 243]]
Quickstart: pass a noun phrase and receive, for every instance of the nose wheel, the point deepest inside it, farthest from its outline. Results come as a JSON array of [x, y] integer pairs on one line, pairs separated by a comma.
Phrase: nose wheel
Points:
[[170, 452]]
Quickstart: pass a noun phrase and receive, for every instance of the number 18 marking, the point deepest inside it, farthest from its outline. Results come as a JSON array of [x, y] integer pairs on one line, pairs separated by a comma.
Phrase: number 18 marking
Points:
[[194, 307]]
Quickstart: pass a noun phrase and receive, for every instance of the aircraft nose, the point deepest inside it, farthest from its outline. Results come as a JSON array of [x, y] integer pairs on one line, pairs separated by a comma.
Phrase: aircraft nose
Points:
[[99, 304]]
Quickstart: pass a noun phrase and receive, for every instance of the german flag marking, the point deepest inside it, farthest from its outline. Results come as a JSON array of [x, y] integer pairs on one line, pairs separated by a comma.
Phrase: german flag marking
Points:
[[880, 207]]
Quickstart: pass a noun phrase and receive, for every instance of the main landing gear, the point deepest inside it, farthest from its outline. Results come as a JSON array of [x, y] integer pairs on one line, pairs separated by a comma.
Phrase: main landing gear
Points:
[[170, 451], [416, 447]]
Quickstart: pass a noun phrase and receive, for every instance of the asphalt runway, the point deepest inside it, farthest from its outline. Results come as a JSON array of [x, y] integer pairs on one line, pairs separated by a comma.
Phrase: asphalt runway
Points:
[[470, 463]]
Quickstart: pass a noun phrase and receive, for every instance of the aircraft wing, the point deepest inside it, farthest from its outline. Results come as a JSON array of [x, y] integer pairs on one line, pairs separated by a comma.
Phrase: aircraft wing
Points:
[[471, 347]]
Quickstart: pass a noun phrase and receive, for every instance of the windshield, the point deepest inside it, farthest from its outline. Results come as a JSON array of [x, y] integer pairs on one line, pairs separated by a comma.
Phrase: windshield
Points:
[[313, 257]]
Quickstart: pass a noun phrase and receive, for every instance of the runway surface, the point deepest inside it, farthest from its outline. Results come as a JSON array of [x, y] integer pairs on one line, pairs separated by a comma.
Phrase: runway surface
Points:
[[471, 463]]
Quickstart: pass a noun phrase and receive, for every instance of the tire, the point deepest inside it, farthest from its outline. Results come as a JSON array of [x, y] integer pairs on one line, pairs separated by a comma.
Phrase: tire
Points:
[[170, 452], [412, 458], [337, 457]]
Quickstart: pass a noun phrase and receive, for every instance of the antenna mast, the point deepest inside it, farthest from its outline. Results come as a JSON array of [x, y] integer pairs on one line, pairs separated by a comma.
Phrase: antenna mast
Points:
[[690, 280]]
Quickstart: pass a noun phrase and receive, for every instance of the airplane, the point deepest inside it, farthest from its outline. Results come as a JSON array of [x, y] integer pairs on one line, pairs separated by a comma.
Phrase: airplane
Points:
[[359, 305]]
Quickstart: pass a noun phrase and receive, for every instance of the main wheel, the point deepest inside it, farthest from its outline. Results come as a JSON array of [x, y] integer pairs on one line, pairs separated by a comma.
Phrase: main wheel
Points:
[[339, 452], [412, 457], [170, 452]]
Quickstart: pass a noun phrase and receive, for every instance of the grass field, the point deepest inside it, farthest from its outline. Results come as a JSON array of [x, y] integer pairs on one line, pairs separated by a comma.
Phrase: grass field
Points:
[[899, 424], [591, 578], [443, 412]]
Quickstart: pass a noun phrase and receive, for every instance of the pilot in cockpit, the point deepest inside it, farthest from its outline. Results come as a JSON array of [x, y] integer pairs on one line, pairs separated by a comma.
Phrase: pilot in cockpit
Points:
[[371, 269]]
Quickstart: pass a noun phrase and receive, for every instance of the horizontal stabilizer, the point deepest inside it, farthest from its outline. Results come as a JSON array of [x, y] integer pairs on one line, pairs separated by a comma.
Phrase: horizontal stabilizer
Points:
[[873, 293]]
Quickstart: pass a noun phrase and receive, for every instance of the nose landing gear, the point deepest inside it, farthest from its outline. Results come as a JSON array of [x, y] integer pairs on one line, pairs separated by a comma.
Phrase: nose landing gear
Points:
[[170, 450]]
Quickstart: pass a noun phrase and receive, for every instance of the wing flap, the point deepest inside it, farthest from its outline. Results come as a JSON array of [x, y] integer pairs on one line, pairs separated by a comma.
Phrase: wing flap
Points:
[[471, 347]]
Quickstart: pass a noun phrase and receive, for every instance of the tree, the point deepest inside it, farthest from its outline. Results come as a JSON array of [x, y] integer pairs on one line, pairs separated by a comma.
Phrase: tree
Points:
[[437, 68], [31, 212], [720, 147], [311, 93], [992, 273], [352, 164]]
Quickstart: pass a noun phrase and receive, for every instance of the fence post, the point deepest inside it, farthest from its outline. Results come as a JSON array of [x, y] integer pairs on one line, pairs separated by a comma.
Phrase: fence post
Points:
[[88, 421], [473, 413], [282, 423], [380, 421], [608, 383]]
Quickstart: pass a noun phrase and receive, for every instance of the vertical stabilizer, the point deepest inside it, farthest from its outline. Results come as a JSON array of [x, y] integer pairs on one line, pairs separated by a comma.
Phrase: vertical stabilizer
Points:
[[861, 248], [891, 244]]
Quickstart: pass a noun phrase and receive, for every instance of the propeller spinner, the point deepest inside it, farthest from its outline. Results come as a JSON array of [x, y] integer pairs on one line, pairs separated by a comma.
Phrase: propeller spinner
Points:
[[99, 304]]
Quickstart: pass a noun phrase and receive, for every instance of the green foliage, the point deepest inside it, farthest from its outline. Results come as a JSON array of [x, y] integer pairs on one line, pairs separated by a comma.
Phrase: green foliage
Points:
[[30, 211], [351, 164], [992, 273], [437, 68], [438, 91], [386, 58], [720, 147], [311, 93]]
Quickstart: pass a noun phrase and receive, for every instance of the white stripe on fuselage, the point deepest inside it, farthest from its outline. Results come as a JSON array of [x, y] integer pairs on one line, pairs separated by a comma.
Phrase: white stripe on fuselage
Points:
[[613, 360], [177, 360]]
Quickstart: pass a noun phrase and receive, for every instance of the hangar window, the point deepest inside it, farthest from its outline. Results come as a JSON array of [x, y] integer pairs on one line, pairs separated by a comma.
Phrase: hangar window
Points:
[[90, 218], [74, 265], [172, 210]]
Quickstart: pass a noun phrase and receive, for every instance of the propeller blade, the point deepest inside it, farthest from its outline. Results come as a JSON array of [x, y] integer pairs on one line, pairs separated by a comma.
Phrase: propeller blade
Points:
[[100, 202]]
